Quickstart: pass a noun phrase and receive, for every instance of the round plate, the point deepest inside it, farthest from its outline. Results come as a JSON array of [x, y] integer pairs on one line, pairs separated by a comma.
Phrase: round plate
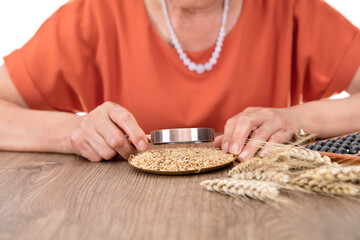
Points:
[[186, 172]]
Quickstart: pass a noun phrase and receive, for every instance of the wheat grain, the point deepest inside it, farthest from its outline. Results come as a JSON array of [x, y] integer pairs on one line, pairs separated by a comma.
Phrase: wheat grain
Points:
[[181, 159]]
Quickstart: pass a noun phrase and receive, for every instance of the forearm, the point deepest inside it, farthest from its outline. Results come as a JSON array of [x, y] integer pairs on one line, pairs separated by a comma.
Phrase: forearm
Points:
[[329, 118], [23, 129]]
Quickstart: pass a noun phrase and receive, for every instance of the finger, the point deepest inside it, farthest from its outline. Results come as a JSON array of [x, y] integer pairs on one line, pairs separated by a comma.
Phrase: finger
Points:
[[126, 121], [89, 153], [228, 131], [98, 143], [258, 137], [115, 138], [122, 146], [245, 124], [82, 148], [218, 140], [274, 141]]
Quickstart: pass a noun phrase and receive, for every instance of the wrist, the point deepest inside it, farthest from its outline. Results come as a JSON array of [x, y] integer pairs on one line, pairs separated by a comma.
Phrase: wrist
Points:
[[307, 117], [70, 124]]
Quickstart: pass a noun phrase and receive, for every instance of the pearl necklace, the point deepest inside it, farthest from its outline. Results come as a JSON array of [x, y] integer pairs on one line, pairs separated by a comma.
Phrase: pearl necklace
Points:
[[198, 68]]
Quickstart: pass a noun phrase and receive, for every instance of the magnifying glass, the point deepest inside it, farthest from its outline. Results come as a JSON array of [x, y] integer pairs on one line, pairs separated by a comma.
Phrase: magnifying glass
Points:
[[182, 136]]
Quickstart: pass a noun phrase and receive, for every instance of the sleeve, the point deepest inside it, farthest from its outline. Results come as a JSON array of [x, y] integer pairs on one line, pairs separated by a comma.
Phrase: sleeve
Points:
[[327, 50], [52, 70]]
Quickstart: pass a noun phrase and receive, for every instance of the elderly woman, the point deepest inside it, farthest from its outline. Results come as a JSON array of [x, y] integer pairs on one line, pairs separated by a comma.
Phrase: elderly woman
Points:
[[239, 66]]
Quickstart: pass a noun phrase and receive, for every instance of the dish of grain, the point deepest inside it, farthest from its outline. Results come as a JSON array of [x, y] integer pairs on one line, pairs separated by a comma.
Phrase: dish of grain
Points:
[[179, 161]]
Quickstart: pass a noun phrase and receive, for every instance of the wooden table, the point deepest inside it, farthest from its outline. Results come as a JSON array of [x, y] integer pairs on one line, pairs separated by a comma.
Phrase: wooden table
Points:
[[53, 196]]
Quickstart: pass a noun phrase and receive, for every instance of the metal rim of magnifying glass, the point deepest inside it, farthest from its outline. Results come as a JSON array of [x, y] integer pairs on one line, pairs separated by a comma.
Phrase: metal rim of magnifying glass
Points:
[[182, 136]]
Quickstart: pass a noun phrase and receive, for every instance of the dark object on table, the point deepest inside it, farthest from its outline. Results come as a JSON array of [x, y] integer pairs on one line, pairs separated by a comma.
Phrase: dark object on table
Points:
[[342, 149]]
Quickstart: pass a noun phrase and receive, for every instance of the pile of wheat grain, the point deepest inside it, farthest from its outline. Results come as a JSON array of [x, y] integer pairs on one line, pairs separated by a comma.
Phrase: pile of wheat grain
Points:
[[181, 159], [288, 168]]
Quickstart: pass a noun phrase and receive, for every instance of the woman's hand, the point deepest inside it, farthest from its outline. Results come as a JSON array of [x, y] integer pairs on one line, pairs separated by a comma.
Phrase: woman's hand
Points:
[[101, 134], [260, 125]]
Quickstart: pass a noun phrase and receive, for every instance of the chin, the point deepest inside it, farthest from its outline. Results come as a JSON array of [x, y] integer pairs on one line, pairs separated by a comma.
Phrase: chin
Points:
[[196, 4]]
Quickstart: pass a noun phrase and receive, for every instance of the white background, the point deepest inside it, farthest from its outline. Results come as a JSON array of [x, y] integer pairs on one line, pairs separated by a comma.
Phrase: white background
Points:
[[19, 19]]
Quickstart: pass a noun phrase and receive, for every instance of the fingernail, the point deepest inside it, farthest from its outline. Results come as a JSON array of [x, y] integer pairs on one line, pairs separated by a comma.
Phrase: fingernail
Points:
[[244, 155], [235, 148], [225, 146], [262, 155], [142, 145]]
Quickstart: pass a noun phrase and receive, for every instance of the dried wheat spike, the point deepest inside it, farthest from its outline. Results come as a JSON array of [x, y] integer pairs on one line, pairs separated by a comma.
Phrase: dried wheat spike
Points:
[[287, 153], [264, 174], [258, 190], [255, 164], [343, 174], [307, 155], [248, 166], [325, 187]]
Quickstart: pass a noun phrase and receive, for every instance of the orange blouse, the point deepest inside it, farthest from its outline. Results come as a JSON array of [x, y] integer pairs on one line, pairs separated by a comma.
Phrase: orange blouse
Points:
[[280, 53]]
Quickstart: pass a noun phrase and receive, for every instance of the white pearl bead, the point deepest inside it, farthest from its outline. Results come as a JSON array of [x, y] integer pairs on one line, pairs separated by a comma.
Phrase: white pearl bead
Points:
[[208, 66], [215, 55], [213, 61], [179, 51], [186, 62], [217, 49], [192, 66], [200, 69], [183, 56]]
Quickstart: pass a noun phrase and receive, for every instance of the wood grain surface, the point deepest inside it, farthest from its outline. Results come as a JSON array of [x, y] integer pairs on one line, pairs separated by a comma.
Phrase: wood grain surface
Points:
[[53, 196]]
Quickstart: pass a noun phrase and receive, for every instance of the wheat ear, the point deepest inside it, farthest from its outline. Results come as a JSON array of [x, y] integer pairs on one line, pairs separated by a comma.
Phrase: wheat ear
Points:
[[256, 163], [258, 190], [324, 187], [308, 155], [264, 174], [335, 174], [305, 155]]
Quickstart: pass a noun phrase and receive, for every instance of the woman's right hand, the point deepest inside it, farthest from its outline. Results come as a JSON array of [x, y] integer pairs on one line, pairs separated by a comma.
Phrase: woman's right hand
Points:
[[101, 134]]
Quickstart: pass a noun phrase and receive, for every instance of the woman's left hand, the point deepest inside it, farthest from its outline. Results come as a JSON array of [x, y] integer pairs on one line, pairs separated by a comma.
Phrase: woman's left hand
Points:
[[260, 125]]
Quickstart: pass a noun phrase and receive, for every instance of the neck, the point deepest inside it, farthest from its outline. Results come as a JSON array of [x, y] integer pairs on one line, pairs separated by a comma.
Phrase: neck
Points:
[[195, 22]]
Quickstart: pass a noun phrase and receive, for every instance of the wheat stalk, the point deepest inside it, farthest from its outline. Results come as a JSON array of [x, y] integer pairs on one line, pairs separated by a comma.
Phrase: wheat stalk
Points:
[[258, 190], [289, 168]]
